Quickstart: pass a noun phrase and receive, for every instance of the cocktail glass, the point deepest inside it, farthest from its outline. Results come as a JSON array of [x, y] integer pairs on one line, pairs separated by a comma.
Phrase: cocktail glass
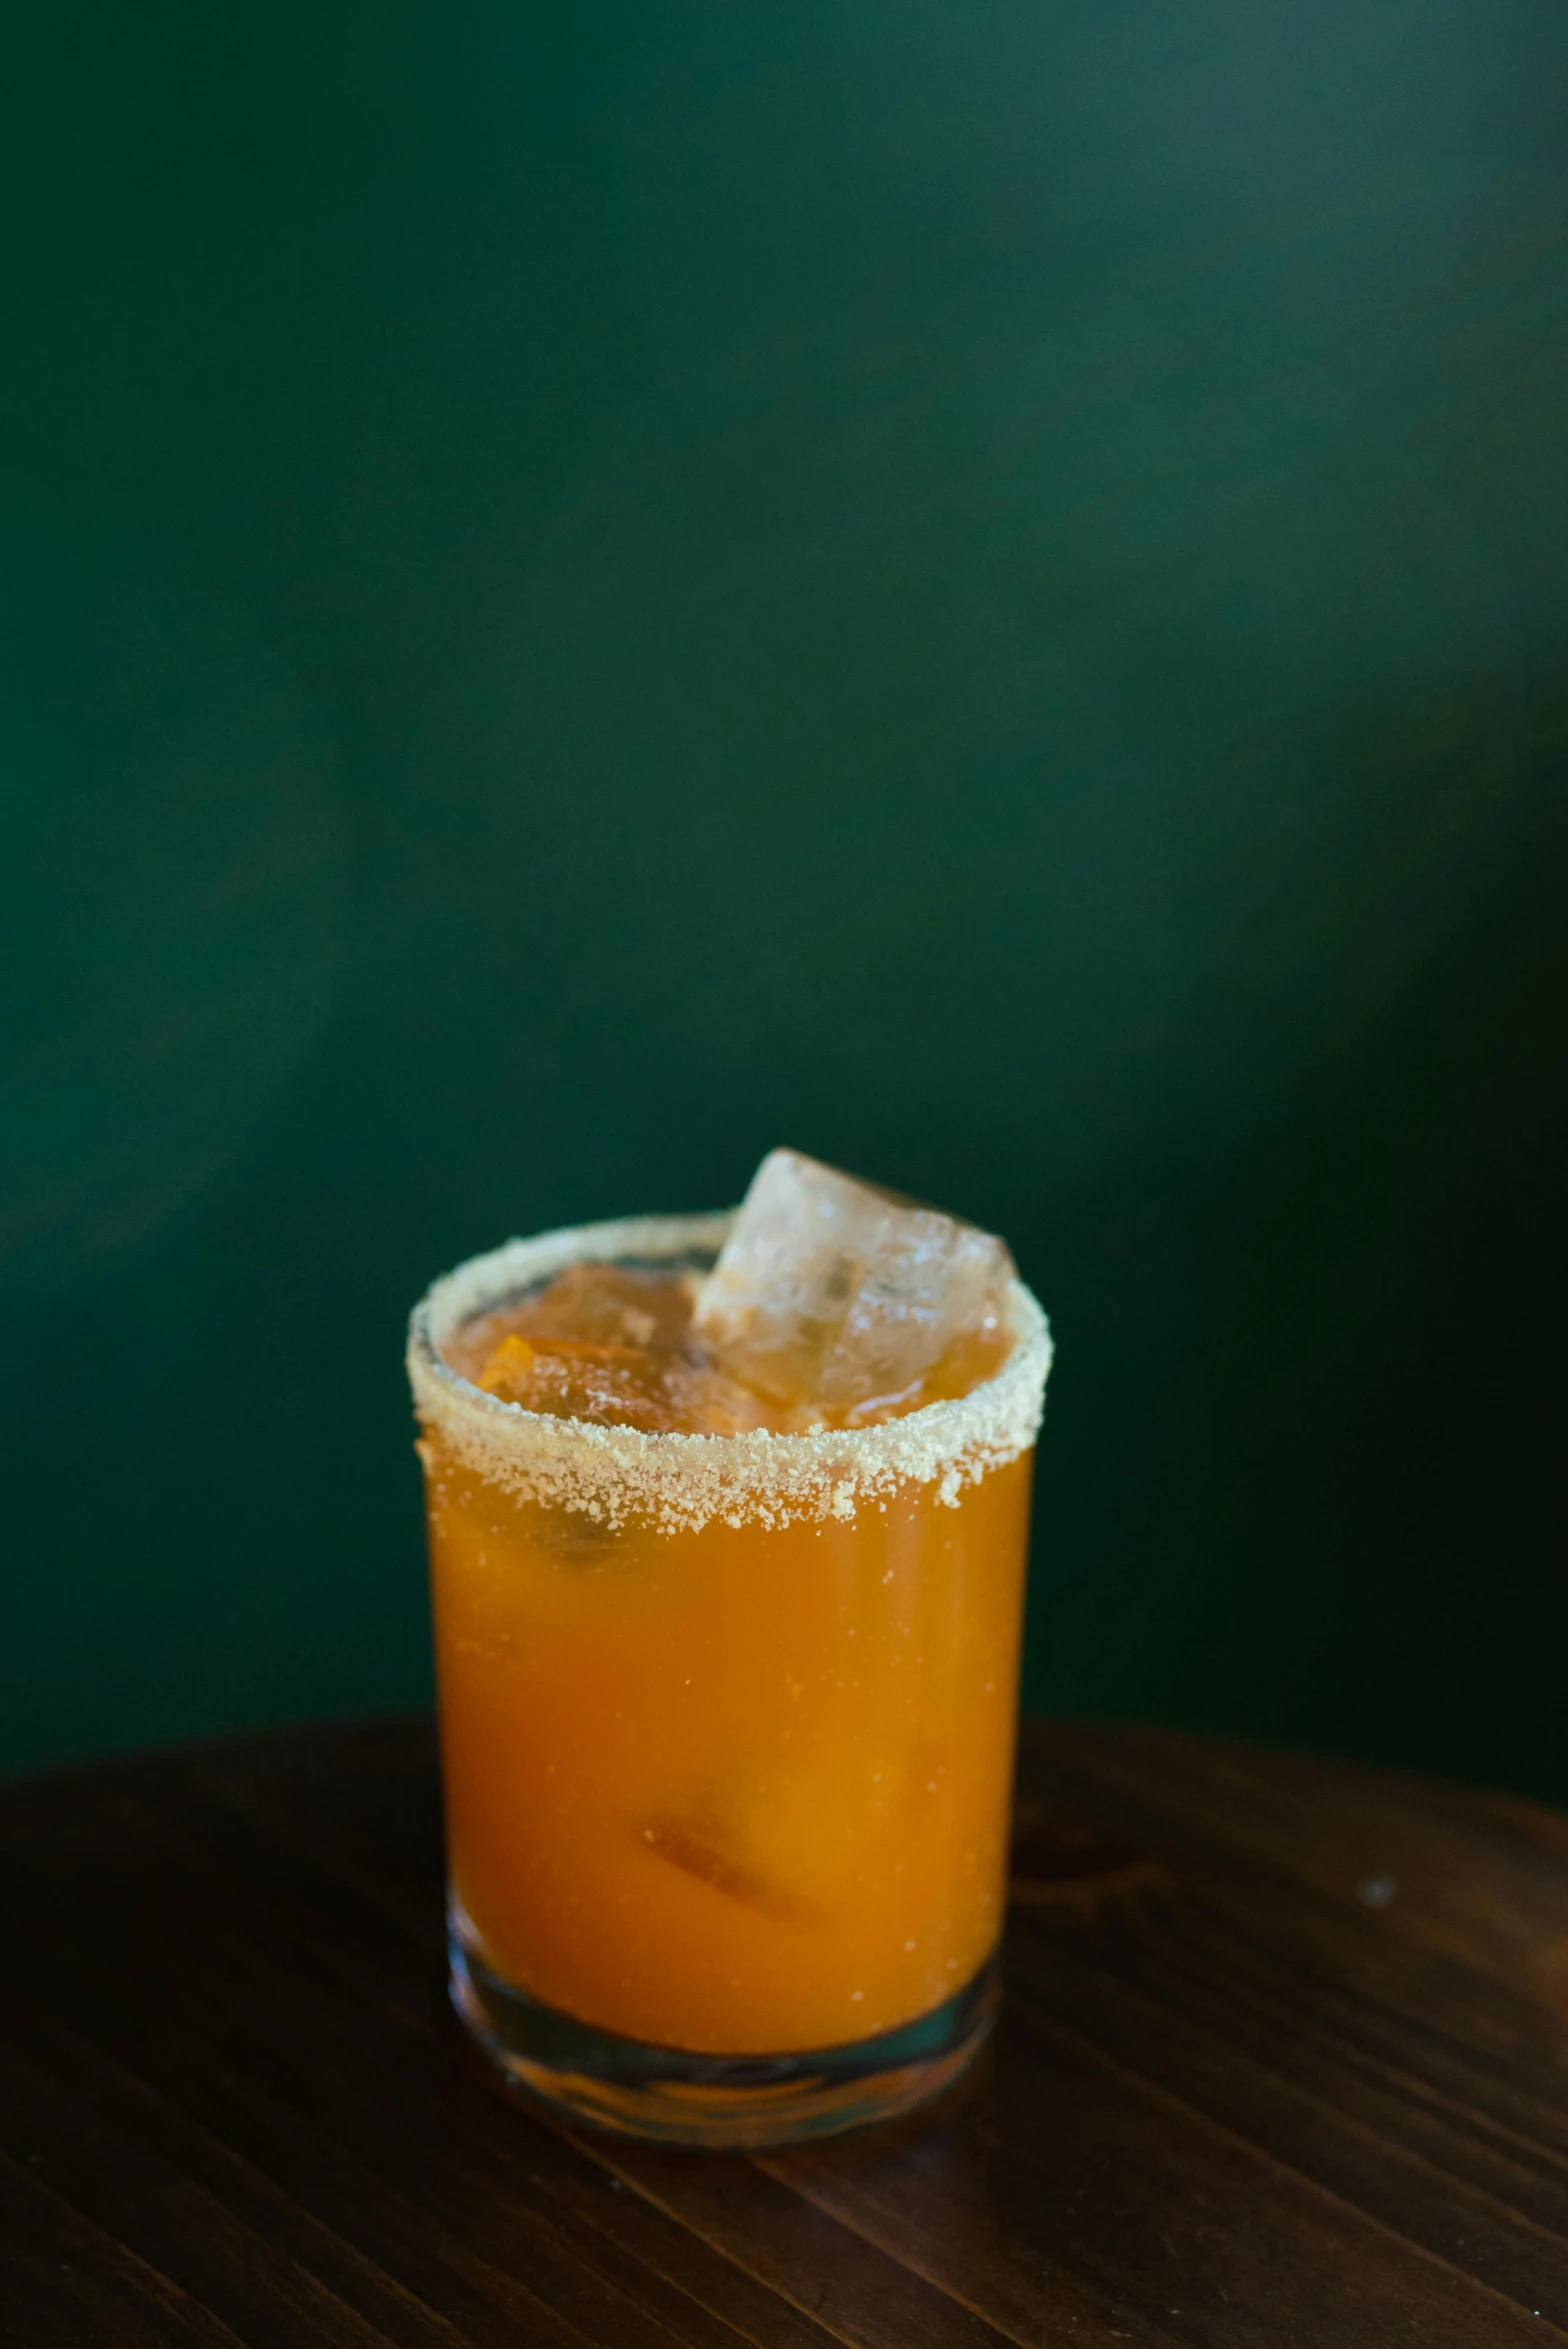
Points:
[[727, 1731]]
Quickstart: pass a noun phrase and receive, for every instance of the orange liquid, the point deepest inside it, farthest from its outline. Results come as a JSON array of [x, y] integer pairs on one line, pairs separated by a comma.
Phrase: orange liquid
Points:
[[739, 1789]]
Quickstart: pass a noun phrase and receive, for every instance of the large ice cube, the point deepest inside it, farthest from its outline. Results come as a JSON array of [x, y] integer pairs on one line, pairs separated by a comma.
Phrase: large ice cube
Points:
[[830, 1291]]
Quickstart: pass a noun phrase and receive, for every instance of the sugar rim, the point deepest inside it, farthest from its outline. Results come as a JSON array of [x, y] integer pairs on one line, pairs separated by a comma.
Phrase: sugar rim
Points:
[[678, 1481]]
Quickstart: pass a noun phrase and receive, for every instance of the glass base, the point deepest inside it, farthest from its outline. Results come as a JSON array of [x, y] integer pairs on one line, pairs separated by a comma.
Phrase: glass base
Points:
[[669, 2097]]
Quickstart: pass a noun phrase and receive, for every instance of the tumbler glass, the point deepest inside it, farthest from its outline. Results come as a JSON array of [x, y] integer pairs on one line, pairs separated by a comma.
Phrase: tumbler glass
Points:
[[727, 1731]]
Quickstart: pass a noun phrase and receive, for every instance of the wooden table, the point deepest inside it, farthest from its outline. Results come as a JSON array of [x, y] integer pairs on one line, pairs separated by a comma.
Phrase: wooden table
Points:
[[1285, 2060]]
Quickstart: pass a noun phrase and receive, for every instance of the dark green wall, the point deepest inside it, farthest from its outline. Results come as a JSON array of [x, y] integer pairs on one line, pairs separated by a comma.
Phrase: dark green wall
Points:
[[977, 588]]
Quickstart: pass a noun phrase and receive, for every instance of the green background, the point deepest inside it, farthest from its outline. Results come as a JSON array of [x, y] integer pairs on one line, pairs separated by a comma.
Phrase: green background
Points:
[[978, 588]]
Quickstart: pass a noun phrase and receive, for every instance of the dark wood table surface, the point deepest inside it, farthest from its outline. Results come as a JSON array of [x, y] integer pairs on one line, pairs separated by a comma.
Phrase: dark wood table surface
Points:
[[1284, 2060]]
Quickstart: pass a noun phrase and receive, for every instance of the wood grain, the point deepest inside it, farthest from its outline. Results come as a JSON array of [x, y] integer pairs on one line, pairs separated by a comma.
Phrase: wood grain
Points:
[[1284, 2061]]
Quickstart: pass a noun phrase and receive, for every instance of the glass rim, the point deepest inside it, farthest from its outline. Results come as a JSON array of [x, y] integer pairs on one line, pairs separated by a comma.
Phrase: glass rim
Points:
[[690, 1476]]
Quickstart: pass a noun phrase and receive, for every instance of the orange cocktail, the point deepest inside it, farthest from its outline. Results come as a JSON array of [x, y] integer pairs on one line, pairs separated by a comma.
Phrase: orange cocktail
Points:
[[727, 1708]]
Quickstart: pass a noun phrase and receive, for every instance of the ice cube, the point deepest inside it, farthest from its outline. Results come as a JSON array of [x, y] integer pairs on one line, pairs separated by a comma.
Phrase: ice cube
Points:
[[832, 1291], [613, 1385], [619, 1386], [786, 1838], [609, 1305]]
